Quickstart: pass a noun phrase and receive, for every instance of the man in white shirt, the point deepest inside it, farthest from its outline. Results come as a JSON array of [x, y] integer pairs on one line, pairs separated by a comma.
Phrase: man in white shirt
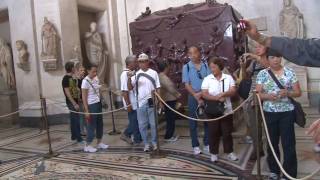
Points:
[[129, 101], [145, 82]]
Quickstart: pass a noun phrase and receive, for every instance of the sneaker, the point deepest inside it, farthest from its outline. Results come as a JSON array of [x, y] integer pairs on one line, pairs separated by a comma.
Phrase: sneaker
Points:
[[316, 148], [81, 142], [206, 149], [174, 138], [196, 151], [126, 138], [90, 149], [102, 146], [154, 147], [214, 157], [273, 176], [146, 148], [232, 157], [248, 140]]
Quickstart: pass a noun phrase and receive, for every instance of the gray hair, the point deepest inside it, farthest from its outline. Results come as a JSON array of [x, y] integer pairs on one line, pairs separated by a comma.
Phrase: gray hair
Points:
[[130, 58]]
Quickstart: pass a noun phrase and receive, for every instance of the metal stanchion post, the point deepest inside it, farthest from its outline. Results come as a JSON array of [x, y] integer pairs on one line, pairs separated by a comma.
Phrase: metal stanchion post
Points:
[[114, 130], [45, 118], [256, 106], [157, 154]]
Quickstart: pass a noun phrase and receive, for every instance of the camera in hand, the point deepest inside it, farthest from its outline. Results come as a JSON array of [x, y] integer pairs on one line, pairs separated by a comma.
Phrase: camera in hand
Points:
[[150, 102], [242, 26]]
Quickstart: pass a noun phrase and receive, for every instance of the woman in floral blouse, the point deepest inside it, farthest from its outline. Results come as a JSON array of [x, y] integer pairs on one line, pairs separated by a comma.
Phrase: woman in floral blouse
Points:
[[279, 113]]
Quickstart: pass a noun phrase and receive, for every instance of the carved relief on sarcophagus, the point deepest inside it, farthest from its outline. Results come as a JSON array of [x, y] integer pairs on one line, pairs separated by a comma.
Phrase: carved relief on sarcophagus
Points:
[[166, 35]]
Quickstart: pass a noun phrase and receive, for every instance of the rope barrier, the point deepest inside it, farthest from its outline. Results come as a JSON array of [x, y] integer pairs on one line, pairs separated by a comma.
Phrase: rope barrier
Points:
[[273, 151], [16, 112], [203, 120], [107, 112], [118, 93]]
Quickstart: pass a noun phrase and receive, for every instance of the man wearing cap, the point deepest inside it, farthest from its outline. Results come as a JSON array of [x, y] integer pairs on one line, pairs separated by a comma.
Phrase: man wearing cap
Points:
[[145, 82]]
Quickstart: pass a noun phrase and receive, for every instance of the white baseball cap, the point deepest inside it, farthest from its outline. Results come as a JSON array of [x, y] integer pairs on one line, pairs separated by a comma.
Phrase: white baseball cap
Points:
[[143, 57]]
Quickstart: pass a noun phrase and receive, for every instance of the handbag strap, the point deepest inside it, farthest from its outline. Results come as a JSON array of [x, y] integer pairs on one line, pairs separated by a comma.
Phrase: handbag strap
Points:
[[222, 85], [153, 81], [275, 79], [94, 90]]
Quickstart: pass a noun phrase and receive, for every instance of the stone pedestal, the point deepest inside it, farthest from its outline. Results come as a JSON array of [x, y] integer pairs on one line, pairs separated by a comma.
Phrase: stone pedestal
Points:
[[302, 76], [49, 64], [9, 104]]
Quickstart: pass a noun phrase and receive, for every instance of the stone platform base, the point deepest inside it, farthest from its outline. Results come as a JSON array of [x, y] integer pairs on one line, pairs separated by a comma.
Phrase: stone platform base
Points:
[[8, 104]]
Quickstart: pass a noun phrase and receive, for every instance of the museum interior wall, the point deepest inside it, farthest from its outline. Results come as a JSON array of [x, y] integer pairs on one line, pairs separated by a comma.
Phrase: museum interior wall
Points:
[[70, 20]]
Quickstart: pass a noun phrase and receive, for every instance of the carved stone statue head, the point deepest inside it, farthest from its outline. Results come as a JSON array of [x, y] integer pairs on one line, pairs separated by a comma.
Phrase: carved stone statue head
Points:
[[20, 45], [93, 27], [45, 20], [287, 3]]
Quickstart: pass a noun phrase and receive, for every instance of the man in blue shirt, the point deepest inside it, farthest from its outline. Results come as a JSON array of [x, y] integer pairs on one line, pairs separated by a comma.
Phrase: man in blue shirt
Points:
[[193, 74]]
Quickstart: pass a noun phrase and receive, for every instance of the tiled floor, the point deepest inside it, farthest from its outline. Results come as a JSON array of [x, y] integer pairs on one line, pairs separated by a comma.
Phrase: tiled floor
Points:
[[22, 151]]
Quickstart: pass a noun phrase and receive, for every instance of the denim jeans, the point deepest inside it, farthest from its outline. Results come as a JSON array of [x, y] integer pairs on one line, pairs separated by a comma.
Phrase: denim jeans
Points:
[[74, 124], [83, 123], [170, 119], [145, 118], [95, 125], [281, 125], [192, 105], [133, 127]]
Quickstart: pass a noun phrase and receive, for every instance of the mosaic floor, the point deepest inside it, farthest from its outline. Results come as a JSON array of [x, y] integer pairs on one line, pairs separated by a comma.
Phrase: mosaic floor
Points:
[[22, 153]]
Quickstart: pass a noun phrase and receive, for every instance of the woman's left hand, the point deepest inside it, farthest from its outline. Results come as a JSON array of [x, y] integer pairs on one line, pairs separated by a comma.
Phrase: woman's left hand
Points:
[[220, 97], [283, 93]]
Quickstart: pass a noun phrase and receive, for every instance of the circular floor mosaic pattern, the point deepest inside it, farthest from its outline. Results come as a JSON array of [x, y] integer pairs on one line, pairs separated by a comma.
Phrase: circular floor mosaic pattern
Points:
[[122, 165]]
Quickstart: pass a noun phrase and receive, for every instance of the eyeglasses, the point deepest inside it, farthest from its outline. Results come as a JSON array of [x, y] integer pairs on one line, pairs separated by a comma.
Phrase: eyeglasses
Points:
[[199, 75]]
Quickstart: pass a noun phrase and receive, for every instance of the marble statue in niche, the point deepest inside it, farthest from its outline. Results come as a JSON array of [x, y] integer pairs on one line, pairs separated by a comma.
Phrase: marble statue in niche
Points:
[[49, 46], [292, 25], [291, 21], [6, 65], [49, 38], [96, 51], [23, 55]]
